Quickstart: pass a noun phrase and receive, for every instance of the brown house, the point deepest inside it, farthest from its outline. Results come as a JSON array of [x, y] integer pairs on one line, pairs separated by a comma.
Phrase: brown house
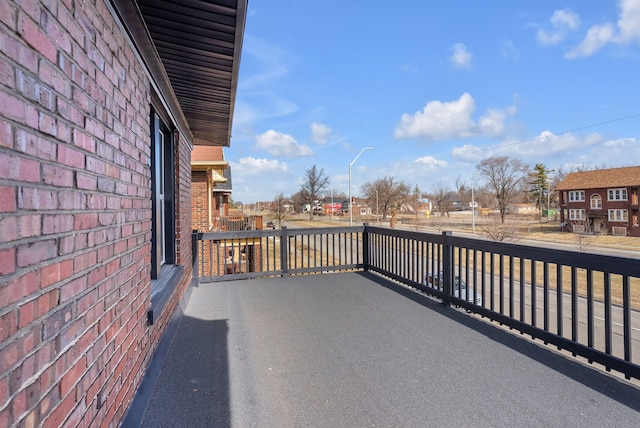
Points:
[[101, 104], [601, 201], [210, 187]]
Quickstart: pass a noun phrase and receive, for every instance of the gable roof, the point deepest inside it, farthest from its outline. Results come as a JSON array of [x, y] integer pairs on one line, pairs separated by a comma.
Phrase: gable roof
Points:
[[601, 178]]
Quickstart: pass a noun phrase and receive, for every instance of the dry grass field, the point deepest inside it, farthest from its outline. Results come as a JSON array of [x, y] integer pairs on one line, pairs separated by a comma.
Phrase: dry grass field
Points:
[[522, 228]]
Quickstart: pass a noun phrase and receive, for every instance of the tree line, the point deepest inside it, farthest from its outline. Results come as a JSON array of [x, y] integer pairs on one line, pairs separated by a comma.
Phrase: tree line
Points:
[[500, 182]]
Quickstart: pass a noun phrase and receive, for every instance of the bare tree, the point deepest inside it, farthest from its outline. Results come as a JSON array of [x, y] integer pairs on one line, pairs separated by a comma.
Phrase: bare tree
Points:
[[441, 196], [298, 200], [315, 181], [280, 209], [391, 195], [499, 230], [505, 176]]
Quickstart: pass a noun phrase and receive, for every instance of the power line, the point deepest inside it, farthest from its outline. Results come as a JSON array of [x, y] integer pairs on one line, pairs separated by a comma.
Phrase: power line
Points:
[[540, 137]]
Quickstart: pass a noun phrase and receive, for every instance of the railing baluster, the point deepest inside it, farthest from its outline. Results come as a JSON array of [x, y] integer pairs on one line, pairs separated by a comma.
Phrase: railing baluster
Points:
[[534, 302], [590, 311], [559, 301], [607, 315], [545, 292]]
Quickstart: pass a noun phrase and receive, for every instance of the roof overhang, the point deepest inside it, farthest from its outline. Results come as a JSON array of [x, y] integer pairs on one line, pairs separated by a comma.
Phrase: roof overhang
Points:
[[209, 165], [192, 49]]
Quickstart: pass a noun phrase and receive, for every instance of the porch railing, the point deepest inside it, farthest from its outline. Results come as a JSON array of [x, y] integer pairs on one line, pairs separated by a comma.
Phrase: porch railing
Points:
[[587, 304]]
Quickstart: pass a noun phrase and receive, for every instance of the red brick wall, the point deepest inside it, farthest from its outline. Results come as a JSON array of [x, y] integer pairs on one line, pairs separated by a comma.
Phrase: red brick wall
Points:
[[200, 201], [75, 216]]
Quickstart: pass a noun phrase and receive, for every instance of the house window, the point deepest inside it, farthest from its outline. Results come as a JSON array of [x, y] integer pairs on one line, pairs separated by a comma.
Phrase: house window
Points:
[[576, 196], [617, 194], [577, 214], [596, 202], [618, 215], [162, 197]]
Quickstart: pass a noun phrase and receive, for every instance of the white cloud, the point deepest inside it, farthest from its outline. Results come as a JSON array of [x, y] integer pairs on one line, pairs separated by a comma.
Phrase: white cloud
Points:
[[563, 21], [625, 31], [468, 152], [597, 37], [431, 163], [408, 68], [278, 144], [509, 50], [256, 179], [320, 133], [629, 21], [253, 166], [461, 58], [446, 120]]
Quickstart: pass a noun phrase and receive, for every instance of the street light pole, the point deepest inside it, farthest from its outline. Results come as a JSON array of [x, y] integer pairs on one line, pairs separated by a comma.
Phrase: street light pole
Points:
[[473, 211], [350, 200], [377, 218]]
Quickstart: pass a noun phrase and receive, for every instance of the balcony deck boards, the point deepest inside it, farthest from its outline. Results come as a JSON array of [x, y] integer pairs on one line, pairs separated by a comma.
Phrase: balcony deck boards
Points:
[[353, 349]]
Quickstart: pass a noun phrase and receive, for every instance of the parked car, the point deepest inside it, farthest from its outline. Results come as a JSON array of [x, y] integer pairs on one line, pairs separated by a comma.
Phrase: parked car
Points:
[[459, 287], [271, 224]]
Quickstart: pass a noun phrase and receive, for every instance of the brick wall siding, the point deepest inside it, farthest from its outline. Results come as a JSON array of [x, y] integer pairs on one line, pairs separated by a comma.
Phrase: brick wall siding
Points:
[[200, 201], [75, 216]]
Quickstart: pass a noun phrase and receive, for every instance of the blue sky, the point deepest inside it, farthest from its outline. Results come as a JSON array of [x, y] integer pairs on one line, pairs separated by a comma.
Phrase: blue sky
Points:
[[434, 87]]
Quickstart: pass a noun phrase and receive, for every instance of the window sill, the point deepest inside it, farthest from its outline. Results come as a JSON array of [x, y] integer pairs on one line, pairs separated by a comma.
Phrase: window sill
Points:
[[162, 289]]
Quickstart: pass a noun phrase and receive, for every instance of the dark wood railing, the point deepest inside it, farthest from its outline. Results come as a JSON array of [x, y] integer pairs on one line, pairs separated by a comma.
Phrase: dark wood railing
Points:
[[585, 303]]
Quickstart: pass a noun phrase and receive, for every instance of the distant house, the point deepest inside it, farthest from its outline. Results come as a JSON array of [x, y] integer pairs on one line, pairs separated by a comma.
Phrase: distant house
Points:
[[210, 187], [601, 201], [527, 209]]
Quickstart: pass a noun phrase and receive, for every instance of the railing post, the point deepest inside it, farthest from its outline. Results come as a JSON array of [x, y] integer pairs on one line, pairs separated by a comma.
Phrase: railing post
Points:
[[195, 239], [284, 250], [365, 246], [447, 268]]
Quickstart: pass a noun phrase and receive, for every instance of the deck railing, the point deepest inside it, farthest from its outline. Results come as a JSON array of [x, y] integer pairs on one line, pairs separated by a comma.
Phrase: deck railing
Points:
[[587, 304]]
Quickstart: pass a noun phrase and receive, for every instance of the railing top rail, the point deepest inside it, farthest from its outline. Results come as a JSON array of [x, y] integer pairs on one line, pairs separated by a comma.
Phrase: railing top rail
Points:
[[240, 234]]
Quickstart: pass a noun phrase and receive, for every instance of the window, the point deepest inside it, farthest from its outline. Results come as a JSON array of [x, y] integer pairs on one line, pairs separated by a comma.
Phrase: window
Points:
[[596, 202], [576, 215], [576, 196], [618, 215], [162, 197], [617, 194]]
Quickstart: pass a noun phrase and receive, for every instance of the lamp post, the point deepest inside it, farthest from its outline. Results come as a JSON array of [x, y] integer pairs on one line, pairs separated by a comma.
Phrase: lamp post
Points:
[[350, 201], [377, 218], [473, 211]]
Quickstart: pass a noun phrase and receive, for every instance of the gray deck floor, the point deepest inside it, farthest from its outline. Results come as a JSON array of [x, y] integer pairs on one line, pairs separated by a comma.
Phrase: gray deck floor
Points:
[[339, 350]]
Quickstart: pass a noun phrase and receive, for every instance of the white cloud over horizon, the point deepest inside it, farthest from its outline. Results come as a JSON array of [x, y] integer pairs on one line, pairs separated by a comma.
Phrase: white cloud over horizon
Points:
[[451, 120], [279, 144]]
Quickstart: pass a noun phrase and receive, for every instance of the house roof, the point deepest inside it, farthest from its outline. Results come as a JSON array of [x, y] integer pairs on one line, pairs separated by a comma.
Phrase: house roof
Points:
[[601, 178], [204, 156], [192, 49]]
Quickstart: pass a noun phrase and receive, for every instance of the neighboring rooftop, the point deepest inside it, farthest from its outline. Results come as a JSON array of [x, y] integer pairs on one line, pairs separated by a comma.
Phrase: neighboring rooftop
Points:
[[601, 178]]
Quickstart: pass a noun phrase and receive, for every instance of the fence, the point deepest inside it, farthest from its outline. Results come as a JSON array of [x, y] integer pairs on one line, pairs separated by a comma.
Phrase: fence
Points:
[[584, 303]]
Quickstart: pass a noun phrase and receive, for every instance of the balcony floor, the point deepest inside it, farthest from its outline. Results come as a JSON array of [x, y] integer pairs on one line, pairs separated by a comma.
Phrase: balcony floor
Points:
[[353, 349]]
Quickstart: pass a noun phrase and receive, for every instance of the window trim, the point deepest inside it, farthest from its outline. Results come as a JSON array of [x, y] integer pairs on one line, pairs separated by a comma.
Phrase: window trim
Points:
[[611, 194], [596, 197], [618, 215], [163, 219], [580, 217], [576, 196]]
